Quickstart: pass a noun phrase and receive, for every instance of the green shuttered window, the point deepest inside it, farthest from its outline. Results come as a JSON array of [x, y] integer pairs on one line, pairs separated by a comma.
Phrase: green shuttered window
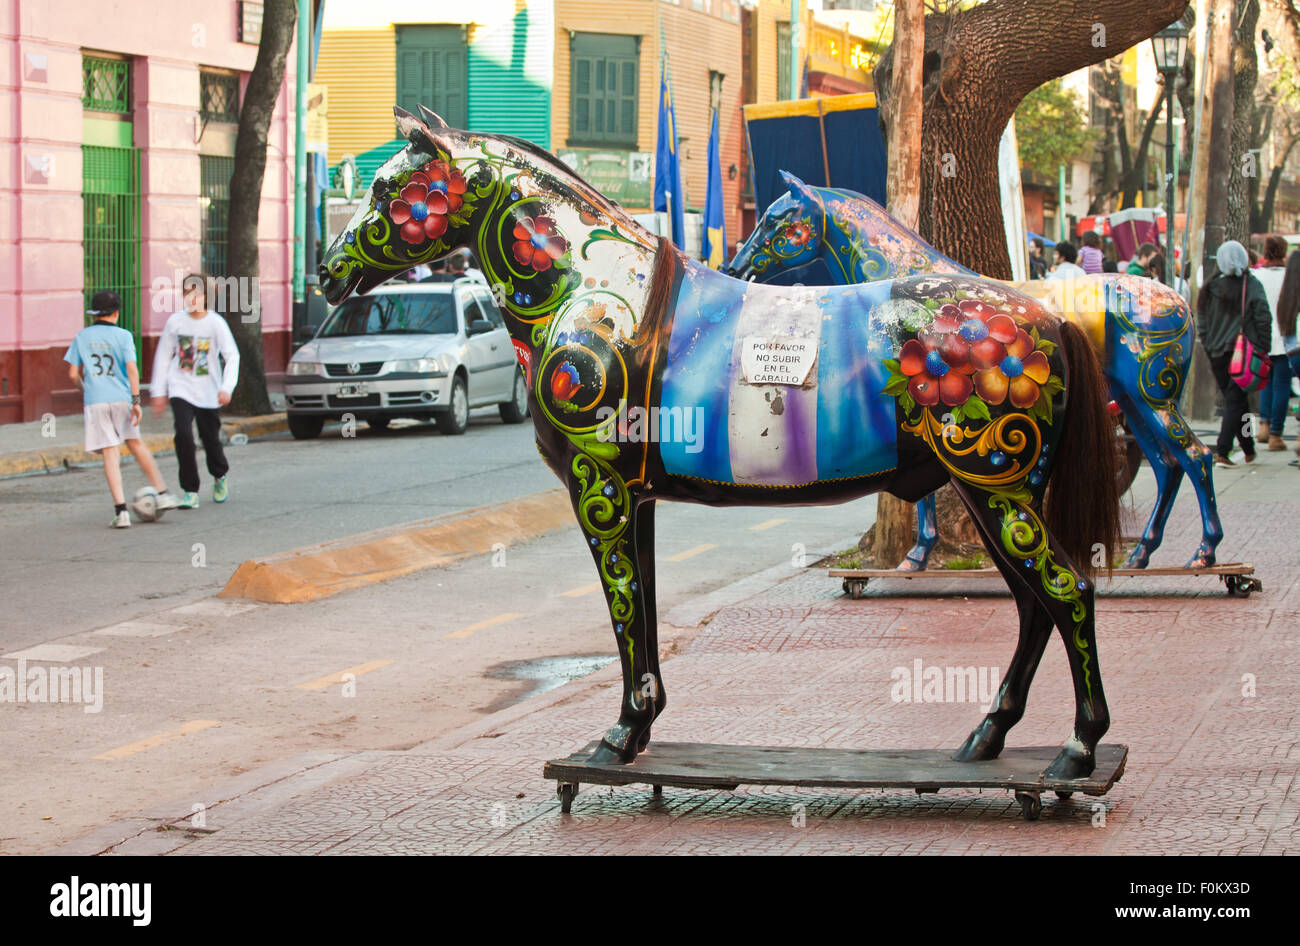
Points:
[[603, 106], [431, 71]]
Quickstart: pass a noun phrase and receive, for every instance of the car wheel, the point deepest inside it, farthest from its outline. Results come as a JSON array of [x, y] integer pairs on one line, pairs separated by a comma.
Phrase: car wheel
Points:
[[305, 426], [515, 410], [378, 423], [456, 418]]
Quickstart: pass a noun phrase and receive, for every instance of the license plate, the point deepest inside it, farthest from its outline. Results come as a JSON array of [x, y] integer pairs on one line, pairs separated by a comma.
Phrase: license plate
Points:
[[351, 390]]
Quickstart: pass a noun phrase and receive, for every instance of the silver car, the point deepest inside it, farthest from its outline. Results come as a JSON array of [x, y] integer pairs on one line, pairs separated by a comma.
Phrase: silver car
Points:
[[429, 349]]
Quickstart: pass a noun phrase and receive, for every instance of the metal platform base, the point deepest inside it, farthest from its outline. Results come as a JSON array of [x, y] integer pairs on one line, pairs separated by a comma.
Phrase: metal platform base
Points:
[[1235, 575], [704, 766]]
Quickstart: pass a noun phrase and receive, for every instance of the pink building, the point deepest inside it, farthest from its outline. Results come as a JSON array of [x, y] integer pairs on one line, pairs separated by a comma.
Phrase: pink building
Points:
[[117, 137]]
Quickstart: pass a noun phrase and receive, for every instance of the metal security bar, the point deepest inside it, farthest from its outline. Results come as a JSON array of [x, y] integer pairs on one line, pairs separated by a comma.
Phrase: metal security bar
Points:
[[219, 100], [214, 208], [110, 190], [106, 84]]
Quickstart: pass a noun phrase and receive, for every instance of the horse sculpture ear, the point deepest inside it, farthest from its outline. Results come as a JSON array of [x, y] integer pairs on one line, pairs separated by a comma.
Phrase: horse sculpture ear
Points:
[[418, 133], [432, 118], [797, 186]]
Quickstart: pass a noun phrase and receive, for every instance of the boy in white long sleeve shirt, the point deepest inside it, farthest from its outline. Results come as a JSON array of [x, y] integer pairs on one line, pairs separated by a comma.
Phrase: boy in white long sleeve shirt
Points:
[[188, 373]]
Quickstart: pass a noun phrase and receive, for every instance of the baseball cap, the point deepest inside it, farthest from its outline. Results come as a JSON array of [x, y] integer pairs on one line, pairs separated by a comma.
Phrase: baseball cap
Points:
[[104, 302]]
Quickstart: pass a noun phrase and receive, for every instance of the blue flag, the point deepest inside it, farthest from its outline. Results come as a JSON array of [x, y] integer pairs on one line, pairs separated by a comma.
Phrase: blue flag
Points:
[[670, 196], [715, 220]]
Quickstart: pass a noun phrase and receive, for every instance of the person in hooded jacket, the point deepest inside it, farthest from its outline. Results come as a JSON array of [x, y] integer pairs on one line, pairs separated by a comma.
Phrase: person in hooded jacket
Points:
[[1219, 319]]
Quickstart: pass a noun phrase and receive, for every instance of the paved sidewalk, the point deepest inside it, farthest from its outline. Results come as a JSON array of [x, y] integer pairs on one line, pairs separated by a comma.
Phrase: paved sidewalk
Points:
[[1201, 688]]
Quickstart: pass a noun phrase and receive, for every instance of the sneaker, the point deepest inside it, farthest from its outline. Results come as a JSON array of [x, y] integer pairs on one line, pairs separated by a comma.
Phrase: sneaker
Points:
[[1249, 458], [220, 491], [166, 500], [188, 501], [121, 520], [1220, 460]]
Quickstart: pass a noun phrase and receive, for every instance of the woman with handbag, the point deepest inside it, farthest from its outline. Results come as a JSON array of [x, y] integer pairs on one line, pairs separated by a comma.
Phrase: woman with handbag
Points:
[[1234, 324]]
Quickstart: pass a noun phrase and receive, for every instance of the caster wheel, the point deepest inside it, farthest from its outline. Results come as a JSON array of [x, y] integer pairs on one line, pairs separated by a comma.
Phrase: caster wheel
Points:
[[1030, 805], [855, 588], [1064, 795], [567, 792]]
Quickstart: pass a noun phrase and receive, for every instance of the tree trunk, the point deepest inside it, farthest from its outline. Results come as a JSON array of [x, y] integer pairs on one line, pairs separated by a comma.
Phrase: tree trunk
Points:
[[980, 62], [278, 21], [893, 532], [1245, 168], [1218, 78]]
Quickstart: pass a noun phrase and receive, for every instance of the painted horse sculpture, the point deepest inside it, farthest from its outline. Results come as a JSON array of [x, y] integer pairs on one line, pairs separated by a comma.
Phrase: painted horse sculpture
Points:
[[1142, 330], [652, 377]]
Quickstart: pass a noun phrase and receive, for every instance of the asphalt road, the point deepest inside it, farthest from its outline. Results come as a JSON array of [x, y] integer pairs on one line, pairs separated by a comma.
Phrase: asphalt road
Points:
[[196, 688]]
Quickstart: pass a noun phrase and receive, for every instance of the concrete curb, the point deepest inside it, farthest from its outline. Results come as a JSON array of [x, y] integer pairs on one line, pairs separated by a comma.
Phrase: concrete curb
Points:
[[61, 458], [319, 571]]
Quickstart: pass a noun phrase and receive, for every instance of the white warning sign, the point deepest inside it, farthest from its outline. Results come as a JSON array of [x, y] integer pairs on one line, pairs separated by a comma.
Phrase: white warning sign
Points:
[[784, 360]]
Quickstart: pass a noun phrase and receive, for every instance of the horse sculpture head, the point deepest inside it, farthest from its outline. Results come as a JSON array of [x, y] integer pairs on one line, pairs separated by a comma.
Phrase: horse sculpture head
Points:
[[520, 211], [788, 236]]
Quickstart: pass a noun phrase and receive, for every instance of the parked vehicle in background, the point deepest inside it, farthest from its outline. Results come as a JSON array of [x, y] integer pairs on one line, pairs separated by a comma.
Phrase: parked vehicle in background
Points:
[[420, 350]]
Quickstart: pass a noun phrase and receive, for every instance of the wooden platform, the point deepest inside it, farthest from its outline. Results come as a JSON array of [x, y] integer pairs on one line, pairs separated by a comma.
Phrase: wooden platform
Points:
[[704, 766], [1236, 575]]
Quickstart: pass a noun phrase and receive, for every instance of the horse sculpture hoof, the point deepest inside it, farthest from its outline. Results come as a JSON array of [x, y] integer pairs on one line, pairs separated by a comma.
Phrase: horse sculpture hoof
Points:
[[606, 754], [984, 743], [1070, 765]]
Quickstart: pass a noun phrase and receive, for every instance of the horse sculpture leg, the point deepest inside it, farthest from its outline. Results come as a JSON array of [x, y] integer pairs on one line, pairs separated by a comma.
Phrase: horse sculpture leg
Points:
[[1169, 475], [988, 738], [1019, 541], [927, 534], [645, 554], [620, 536]]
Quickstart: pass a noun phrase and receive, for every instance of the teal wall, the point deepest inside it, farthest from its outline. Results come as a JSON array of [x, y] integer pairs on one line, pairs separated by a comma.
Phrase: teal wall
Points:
[[511, 64]]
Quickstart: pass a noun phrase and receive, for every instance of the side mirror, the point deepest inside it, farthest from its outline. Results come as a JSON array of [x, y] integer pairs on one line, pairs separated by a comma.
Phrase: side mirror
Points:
[[480, 327]]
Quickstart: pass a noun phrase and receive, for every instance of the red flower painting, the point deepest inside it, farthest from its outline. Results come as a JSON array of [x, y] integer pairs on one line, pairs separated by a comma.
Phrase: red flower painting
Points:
[[537, 244]]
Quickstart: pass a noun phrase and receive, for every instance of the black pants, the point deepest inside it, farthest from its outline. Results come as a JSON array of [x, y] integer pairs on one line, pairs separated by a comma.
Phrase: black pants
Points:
[[1235, 408], [209, 424]]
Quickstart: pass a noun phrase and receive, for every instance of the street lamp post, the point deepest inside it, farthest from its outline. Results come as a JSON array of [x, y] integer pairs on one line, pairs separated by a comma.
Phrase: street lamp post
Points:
[[1169, 46]]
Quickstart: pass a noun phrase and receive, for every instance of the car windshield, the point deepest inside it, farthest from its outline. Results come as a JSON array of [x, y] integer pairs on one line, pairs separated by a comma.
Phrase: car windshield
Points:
[[404, 313]]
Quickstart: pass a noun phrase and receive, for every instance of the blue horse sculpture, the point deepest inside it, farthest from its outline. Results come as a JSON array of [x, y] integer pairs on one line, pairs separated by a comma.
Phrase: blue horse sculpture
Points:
[[798, 395], [1142, 330]]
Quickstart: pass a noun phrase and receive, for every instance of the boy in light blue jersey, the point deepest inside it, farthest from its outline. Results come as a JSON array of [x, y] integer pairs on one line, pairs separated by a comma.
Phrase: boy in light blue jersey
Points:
[[101, 361]]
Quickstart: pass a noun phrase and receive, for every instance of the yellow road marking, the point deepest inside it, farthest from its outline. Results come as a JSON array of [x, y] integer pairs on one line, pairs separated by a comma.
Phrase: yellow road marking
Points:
[[490, 622], [767, 525], [691, 553], [579, 592], [336, 678], [134, 747]]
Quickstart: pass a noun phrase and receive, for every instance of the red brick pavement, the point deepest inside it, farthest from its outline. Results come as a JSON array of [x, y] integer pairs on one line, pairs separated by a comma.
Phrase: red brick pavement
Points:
[[1210, 770]]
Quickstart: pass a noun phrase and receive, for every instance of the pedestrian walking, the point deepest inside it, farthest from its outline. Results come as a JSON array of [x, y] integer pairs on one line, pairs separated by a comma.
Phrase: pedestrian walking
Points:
[[195, 368], [1090, 255], [101, 361], [1066, 267], [1232, 303], [1275, 396]]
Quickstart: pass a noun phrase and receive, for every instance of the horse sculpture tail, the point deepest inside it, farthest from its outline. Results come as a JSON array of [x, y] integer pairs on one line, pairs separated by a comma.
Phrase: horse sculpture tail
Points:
[[1083, 502]]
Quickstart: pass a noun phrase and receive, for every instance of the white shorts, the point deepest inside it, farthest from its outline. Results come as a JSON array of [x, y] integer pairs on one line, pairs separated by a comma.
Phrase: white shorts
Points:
[[109, 425]]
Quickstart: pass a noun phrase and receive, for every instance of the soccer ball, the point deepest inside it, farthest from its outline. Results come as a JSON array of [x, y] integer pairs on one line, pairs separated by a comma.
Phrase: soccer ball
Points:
[[145, 504]]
